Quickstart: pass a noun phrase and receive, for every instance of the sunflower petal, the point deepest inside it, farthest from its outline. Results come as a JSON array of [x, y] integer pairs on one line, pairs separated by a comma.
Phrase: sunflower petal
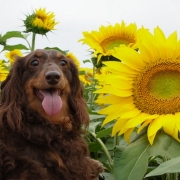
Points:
[[130, 57], [120, 67], [151, 138], [169, 124], [155, 125], [127, 134], [140, 118], [177, 118], [118, 125], [132, 113], [116, 112], [144, 125]]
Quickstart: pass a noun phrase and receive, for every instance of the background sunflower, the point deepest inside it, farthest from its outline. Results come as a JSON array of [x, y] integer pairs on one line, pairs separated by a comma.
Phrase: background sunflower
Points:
[[102, 42]]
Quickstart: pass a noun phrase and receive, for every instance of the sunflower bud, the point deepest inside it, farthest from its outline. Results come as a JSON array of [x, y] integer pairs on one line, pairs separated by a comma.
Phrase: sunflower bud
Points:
[[40, 22]]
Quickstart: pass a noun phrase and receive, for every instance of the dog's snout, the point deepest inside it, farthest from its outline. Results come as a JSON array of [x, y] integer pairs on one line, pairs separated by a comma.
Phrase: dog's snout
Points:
[[52, 77]]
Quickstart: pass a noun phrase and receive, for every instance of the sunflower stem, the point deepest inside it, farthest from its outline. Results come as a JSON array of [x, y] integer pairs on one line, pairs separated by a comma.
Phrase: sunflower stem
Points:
[[33, 41], [173, 176], [104, 148], [170, 176], [116, 140]]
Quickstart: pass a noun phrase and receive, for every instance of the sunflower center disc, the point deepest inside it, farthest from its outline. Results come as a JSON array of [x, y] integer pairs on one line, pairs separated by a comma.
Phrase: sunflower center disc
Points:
[[165, 85], [157, 89]]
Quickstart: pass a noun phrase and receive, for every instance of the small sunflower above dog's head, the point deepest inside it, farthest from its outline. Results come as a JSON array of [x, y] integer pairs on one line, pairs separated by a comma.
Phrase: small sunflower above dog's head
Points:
[[51, 84]]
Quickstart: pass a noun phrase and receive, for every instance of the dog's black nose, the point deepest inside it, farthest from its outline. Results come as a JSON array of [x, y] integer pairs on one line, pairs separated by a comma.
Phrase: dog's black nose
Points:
[[52, 77]]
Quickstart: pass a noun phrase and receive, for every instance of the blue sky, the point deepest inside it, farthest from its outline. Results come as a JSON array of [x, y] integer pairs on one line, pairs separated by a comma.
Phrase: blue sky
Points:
[[77, 16]]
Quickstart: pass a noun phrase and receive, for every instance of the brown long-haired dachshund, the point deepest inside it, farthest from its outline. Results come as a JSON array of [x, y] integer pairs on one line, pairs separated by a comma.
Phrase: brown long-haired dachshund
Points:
[[42, 112]]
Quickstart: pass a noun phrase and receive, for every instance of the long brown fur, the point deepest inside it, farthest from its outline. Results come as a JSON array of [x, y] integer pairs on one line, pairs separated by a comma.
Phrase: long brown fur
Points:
[[37, 146]]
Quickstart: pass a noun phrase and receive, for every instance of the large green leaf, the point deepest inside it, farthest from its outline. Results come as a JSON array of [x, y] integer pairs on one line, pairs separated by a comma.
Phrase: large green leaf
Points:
[[171, 166], [133, 160], [164, 145]]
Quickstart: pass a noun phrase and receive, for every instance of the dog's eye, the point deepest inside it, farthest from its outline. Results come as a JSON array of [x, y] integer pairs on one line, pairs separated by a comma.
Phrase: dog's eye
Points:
[[63, 62], [35, 62]]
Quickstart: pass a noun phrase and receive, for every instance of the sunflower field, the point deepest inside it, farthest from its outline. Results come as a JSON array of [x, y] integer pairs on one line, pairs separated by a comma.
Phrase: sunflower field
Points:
[[132, 92]]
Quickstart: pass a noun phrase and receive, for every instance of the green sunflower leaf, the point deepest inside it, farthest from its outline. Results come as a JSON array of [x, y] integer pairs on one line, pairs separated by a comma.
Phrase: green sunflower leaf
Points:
[[56, 48], [86, 61], [168, 147], [171, 166], [12, 34], [17, 46], [165, 145], [93, 125], [104, 132], [82, 72], [96, 116], [131, 162], [94, 146]]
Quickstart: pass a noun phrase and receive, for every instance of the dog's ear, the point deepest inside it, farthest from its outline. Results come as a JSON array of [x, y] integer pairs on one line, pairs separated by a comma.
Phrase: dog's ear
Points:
[[12, 95], [77, 102]]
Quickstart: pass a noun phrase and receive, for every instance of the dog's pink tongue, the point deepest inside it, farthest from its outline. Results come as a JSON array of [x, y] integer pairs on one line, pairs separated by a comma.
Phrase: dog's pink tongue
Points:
[[52, 102]]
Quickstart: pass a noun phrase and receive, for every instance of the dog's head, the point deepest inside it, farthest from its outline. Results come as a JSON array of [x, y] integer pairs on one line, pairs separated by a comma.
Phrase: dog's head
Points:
[[48, 82]]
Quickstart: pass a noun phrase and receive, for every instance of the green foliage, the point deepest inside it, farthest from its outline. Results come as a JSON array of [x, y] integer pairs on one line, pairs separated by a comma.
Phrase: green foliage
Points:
[[10, 35], [133, 160], [13, 34], [57, 49], [171, 166]]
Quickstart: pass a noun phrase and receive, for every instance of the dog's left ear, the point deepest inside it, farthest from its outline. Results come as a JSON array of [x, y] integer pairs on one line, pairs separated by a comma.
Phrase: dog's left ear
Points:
[[76, 100], [12, 95]]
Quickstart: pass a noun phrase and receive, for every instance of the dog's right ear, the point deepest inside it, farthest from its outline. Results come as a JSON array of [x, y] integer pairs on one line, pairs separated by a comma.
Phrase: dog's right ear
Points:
[[76, 100], [12, 95]]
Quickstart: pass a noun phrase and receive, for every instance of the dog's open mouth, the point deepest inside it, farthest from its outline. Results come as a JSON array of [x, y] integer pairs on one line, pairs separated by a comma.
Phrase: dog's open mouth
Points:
[[51, 100]]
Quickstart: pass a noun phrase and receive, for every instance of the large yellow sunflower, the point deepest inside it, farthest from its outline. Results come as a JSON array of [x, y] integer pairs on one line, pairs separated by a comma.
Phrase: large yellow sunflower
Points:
[[102, 42], [144, 90], [40, 21]]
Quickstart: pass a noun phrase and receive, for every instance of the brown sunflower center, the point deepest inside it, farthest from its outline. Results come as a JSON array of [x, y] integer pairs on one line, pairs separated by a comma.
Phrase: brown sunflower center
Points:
[[157, 89], [115, 41]]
